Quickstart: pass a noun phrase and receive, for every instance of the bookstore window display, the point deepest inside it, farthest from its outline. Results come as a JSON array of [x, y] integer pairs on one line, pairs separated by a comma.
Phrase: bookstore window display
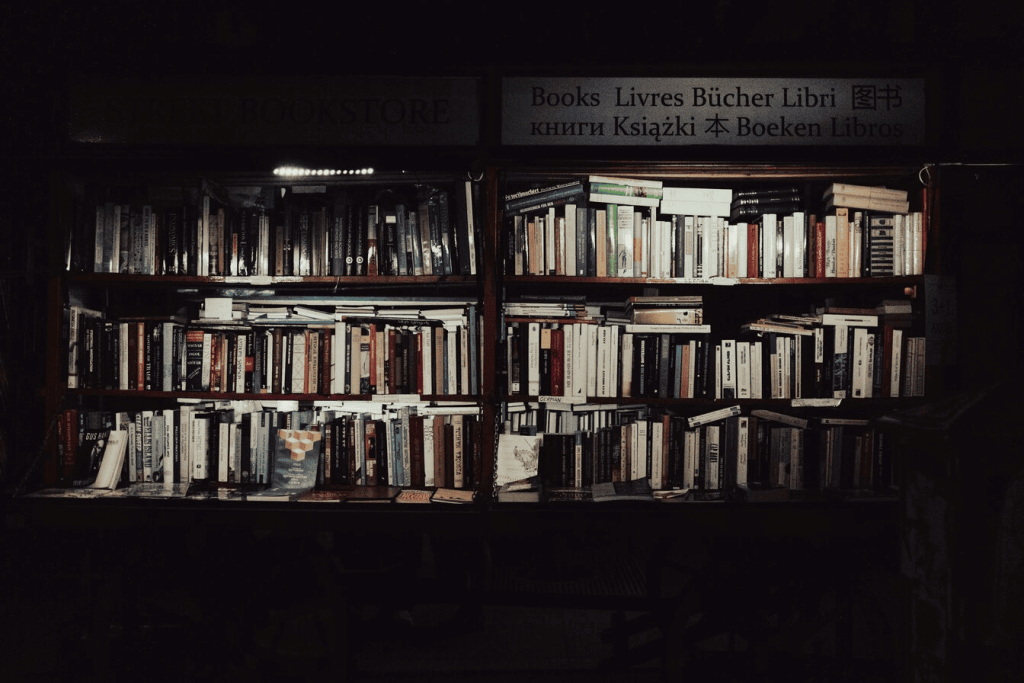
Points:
[[275, 338], [686, 335], [675, 334]]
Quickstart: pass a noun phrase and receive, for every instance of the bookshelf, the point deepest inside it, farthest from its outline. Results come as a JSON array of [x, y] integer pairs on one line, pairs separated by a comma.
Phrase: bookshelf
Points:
[[303, 303], [350, 310], [622, 395]]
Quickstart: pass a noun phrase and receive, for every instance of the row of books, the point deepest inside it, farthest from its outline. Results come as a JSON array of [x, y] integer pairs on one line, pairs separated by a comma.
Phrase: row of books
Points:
[[586, 238], [709, 455], [831, 354], [386, 351], [272, 450], [214, 233]]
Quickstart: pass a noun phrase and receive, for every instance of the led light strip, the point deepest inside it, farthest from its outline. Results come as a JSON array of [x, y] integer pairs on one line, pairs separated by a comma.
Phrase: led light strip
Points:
[[297, 171]]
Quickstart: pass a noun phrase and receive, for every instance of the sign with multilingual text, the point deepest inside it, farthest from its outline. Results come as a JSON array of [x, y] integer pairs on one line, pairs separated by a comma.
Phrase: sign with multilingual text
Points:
[[712, 111]]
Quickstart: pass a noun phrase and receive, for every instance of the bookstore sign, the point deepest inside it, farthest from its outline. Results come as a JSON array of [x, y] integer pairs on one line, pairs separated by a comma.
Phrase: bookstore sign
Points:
[[268, 111], [713, 111]]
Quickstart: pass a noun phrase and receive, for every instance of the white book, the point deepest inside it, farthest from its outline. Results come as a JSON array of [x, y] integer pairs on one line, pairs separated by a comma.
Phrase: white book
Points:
[[741, 249], [427, 359], [713, 416], [831, 246], [898, 244], [223, 451], [668, 247], [728, 369], [549, 243], [682, 207], [635, 182], [688, 247], [603, 343], [769, 245], [798, 362], [799, 244], [742, 370], [602, 198], [570, 239], [713, 234], [533, 359], [917, 235], [592, 362], [785, 366], [857, 234], [113, 460], [859, 358], [697, 194], [657, 471], [624, 248], [169, 446], [692, 370], [849, 319], [203, 246], [198, 449], [338, 368], [428, 452], [711, 435], [869, 383], [742, 449], [640, 452], [756, 375], [298, 341], [122, 333], [788, 247], [718, 375], [147, 445], [470, 220], [580, 360], [451, 349], [897, 360]]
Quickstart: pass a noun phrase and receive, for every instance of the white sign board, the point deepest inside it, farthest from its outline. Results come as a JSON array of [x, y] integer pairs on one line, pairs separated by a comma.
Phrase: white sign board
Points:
[[712, 111]]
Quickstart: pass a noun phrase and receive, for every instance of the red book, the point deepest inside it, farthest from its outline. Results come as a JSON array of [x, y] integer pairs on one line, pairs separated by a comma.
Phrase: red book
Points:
[[373, 359], [392, 364], [819, 249], [325, 361], [140, 356], [753, 249], [557, 362], [419, 362]]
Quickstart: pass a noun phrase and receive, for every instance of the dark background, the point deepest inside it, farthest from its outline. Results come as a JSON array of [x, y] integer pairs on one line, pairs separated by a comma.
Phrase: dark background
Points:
[[969, 52]]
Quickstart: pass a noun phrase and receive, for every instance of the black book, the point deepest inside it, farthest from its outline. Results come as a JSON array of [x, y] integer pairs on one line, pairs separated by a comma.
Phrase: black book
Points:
[[463, 221], [244, 475], [434, 227], [879, 257], [391, 253]]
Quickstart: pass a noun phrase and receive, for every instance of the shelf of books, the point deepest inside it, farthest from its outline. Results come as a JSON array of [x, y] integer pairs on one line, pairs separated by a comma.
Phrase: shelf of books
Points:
[[708, 333], [270, 338], [655, 333]]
